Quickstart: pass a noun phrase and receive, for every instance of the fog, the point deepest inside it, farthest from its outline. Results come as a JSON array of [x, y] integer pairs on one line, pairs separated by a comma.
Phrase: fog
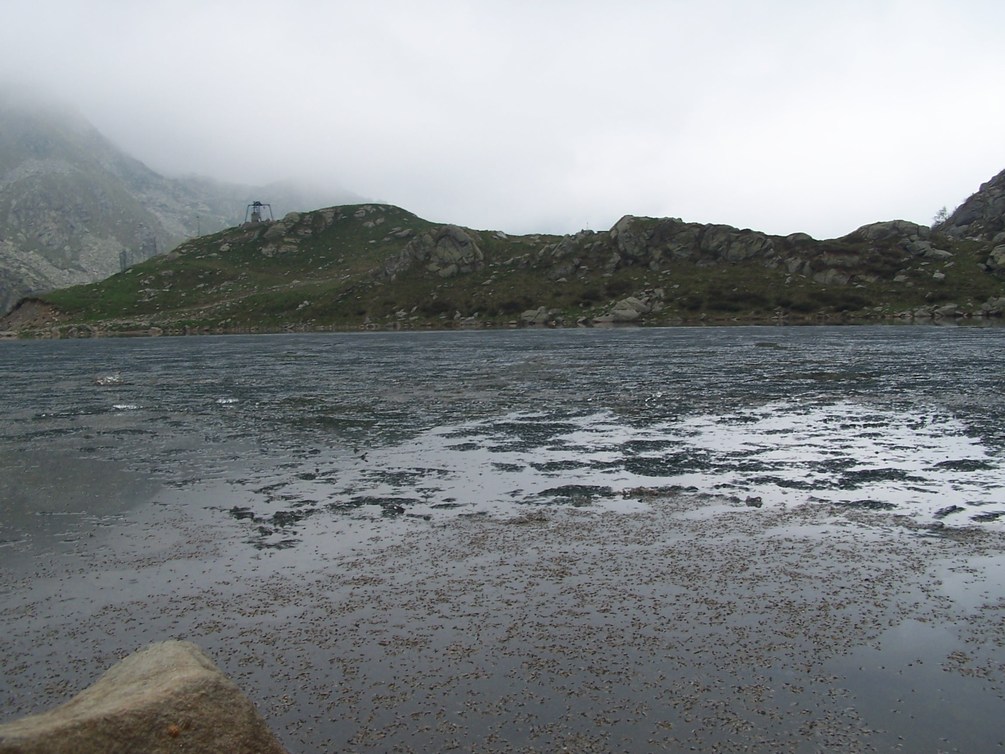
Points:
[[547, 116]]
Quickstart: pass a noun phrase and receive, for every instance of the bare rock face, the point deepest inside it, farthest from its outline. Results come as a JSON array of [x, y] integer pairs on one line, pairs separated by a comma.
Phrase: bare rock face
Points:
[[981, 216], [890, 230], [169, 697], [650, 241], [996, 262], [446, 251]]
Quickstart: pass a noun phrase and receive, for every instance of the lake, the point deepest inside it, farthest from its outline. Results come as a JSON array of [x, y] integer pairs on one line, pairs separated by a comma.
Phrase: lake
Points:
[[609, 539]]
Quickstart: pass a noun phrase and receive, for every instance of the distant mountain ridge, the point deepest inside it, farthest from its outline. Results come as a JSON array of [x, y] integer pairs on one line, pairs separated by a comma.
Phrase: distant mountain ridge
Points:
[[75, 209], [380, 267]]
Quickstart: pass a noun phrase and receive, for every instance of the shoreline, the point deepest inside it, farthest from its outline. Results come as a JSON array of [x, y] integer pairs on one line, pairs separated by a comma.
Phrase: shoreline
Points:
[[86, 331]]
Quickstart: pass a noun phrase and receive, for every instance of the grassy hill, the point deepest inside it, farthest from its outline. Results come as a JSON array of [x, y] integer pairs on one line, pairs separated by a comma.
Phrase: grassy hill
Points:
[[380, 266]]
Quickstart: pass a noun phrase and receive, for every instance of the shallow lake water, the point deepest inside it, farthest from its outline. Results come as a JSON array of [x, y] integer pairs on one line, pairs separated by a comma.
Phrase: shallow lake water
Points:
[[295, 504]]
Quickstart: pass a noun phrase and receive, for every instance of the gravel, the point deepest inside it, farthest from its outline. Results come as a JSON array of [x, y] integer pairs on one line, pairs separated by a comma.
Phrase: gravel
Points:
[[693, 623]]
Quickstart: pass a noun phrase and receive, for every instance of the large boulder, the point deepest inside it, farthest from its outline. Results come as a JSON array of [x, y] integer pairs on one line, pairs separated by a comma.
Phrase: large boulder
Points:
[[993, 307], [169, 697], [631, 237], [633, 308], [540, 316]]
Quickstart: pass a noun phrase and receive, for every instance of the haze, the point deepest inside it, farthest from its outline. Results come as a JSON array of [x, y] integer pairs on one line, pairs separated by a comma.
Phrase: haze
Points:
[[547, 116]]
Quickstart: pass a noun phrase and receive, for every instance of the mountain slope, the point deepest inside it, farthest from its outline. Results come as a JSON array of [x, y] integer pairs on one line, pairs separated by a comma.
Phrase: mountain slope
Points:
[[74, 208], [380, 266], [982, 215], [66, 213]]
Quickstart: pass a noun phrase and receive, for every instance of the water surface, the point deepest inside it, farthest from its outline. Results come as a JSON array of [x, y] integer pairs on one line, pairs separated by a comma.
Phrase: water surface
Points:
[[908, 419], [246, 491]]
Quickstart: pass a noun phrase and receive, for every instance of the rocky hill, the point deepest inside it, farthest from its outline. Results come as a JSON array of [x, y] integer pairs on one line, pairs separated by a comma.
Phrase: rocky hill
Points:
[[380, 266], [981, 216], [74, 208]]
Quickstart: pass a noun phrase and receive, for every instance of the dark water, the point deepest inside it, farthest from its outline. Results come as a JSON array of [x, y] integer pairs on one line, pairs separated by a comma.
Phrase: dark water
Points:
[[281, 442], [910, 419]]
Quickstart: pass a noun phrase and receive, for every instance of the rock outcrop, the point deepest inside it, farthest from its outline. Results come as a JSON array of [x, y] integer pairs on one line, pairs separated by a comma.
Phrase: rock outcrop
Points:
[[169, 697], [447, 251], [981, 216], [653, 241]]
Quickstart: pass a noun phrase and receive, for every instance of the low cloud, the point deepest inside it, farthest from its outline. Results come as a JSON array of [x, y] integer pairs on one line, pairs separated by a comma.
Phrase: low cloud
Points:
[[553, 116]]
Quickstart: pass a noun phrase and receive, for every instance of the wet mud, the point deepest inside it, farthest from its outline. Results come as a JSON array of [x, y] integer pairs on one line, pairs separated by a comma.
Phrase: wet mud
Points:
[[687, 623]]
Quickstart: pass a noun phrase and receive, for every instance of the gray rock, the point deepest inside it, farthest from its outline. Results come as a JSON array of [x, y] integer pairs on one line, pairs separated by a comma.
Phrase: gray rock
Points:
[[446, 251], [326, 217], [622, 316], [568, 246], [925, 249], [539, 316], [444, 271], [630, 237], [797, 266], [996, 261], [918, 247], [946, 312], [831, 276], [454, 246], [627, 310], [993, 307], [728, 243], [939, 255], [169, 697], [633, 304], [982, 215], [276, 230], [884, 231], [654, 242]]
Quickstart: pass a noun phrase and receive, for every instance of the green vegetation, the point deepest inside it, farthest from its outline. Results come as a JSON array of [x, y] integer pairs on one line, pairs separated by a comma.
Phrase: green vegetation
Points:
[[382, 267]]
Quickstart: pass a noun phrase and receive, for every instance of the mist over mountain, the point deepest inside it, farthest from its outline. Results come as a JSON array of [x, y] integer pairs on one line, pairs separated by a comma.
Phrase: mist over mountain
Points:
[[75, 209]]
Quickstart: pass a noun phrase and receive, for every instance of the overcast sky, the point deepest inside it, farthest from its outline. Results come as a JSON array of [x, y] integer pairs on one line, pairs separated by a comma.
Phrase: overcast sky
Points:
[[553, 115]]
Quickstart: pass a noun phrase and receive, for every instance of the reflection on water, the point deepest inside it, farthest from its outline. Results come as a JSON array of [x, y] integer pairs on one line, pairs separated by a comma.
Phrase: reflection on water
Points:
[[430, 424], [919, 680], [921, 465], [210, 487]]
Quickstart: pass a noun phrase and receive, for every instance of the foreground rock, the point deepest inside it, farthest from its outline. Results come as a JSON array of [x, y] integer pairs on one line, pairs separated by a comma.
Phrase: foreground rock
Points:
[[168, 697]]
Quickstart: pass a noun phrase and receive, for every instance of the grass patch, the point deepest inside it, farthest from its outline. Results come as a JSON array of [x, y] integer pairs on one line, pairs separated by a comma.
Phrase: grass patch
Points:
[[359, 265]]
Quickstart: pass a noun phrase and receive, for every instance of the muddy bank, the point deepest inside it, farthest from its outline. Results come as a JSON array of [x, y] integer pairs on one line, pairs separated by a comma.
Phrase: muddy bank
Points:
[[692, 622]]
